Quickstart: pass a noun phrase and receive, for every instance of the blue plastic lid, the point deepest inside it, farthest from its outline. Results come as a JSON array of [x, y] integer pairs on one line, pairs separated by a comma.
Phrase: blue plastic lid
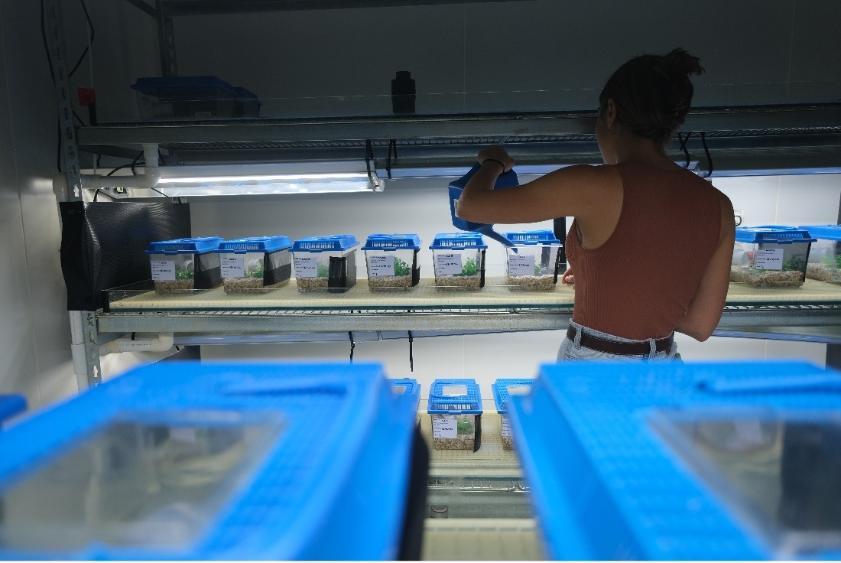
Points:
[[457, 241], [185, 87], [501, 393], [198, 245], [407, 388], [825, 232], [255, 244], [532, 237], [449, 396], [380, 241], [269, 452], [11, 405], [779, 234], [325, 243]]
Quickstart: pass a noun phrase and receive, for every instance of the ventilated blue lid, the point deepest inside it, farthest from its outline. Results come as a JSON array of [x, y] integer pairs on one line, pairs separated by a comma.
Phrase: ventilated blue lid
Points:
[[608, 483], [825, 232], [255, 244], [325, 243], [409, 389], [454, 396], [325, 451], [501, 393], [380, 241], [197, 245], [457, 241], [186, 87], [532, 237], [778, 234], [11, 405]]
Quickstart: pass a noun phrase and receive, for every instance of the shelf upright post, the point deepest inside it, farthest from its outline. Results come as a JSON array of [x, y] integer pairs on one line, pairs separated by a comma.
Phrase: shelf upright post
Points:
[[833, 351], [166, 39], [83, 324]]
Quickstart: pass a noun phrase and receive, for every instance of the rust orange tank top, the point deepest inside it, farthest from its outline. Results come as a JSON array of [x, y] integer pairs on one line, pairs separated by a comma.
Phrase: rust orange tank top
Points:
[[639, 283]]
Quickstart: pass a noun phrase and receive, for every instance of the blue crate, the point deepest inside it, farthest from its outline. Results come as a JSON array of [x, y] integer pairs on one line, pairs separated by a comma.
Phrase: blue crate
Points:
[[11, 406], [409, 389], [440, 402], [616, 474], [500, 391], [310, 462]]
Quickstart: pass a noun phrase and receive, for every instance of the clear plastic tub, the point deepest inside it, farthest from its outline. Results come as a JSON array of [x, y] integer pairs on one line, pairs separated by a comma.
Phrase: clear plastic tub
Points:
[[825, 256], [459, 260], [502, 390], [254, 264], [392, 261], [185, 264], [325, 263], [534, 261], [162, 98], [455, 411], [770, 256]]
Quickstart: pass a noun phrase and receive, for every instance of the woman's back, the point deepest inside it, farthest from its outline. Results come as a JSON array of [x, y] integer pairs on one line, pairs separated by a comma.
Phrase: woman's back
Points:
[[640, 283]]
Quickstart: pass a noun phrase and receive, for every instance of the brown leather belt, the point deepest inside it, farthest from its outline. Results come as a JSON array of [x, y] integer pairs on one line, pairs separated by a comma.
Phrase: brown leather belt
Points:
[[620, 348]]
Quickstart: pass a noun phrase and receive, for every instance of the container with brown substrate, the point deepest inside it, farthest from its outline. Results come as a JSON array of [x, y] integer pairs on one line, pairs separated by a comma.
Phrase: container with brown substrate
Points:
[[825, 256], [459, 260], [255, 264], [534, 260], [455, 412], [187, 264], [392, 261], [325, 263], [771, 256], [502, 390]]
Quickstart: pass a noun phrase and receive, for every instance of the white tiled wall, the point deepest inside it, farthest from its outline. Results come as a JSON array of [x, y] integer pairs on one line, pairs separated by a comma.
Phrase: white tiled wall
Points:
[[422, 206]]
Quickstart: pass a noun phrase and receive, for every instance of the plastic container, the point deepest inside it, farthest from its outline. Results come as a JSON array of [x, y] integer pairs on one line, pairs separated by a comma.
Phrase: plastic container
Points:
[[669, 461], [10, 407], [770, 256], [534, 262], [392, 261], [502, 390], [185, 264], [459, 260], [409, 389], [825, 255], [325, 263], [192, 97], [193, 461], [250, 265], [455, 411], [456, 188]]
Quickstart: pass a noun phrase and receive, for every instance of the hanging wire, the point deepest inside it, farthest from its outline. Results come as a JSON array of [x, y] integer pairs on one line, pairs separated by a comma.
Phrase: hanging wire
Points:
[[411, 352], [369, 159], [352, 345], [392, 150], [683, 141], [710, 166]]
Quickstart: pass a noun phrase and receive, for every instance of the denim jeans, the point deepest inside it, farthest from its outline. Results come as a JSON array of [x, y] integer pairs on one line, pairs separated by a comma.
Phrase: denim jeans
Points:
[[572, 350]]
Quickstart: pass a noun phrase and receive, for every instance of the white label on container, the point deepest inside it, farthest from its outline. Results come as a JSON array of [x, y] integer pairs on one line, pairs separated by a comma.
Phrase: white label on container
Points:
[[163, 270], [521, 265], [448, 264], [233, 265], [185, 434], [306, 266], [381, 266], [506, 427], [444, 426], [519, 389], [769, 259]]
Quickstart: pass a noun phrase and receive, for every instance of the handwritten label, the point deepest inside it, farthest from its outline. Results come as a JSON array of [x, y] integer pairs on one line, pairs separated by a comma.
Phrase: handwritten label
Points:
[[163, 270], [448, 264], [381, 266], [444, 426], [306, 266], [769, 259], [521, 265], [233, 265]]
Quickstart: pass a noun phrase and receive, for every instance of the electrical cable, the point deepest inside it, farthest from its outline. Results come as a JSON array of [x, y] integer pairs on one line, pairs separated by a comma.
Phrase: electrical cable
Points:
[[411, 352], [683, 147], [91, 37], [710, 166], [352, 345]]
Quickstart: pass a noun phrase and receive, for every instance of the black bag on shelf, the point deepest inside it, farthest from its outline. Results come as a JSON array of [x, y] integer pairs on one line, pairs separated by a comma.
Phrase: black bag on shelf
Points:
[[103, 245]]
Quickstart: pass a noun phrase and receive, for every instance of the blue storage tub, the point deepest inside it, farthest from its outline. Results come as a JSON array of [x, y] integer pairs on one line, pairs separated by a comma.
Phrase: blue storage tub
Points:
[[770, 256], [185, 264], [254, 264], [825, 254], [409, 389], [392, 261], [11, 406], [455, 412], [193, 97], [459, 260], [212, 461], [456, 188], [679, 461], [502, 390], [325, 263]]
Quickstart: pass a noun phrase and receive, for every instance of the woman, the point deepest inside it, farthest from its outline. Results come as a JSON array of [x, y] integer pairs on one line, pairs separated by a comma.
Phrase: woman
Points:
[[651, 243]]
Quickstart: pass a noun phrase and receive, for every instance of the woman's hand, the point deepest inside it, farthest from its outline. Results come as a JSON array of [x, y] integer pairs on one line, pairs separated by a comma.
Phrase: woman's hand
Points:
[[568, 278], [496, 154]]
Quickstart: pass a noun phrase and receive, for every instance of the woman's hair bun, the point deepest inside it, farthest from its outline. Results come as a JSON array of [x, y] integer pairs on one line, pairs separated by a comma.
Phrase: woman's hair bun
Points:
[[680, 62]]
